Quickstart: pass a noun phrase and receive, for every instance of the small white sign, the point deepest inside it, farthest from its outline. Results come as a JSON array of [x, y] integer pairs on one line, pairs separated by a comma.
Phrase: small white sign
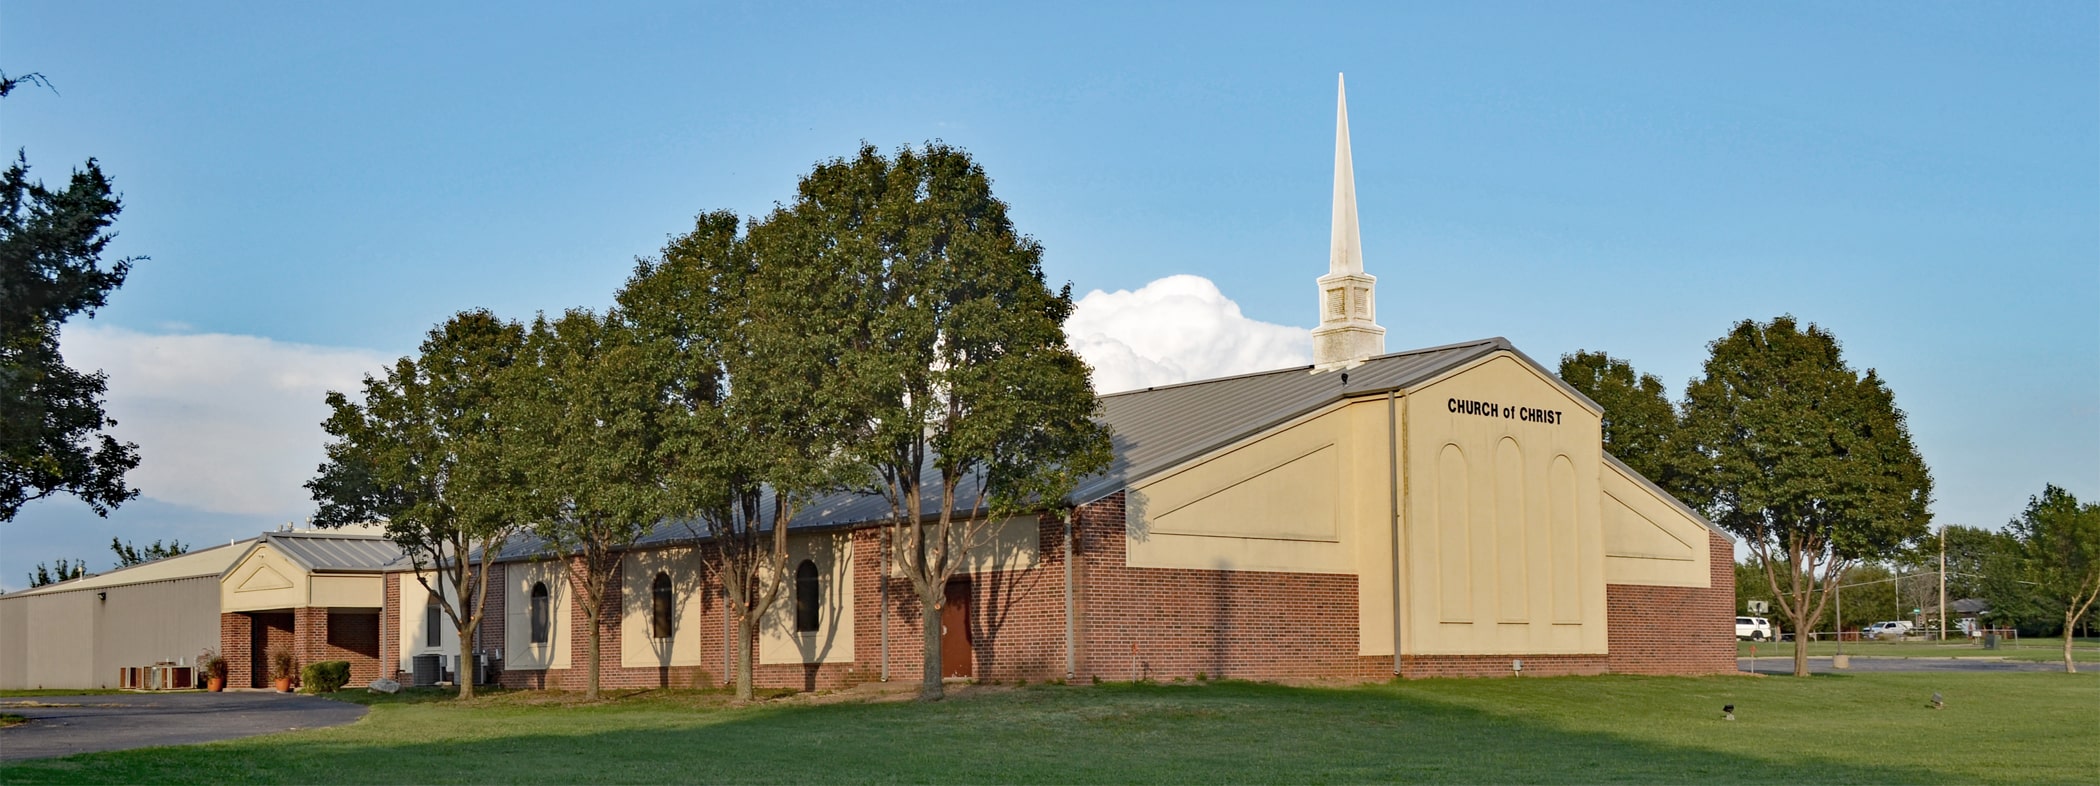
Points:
[[1759, 607]]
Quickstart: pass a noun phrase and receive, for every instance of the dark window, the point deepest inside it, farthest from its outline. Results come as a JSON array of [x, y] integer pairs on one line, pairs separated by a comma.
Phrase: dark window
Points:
[[660, 607], [433, 624], [806, 597], [540, 617]]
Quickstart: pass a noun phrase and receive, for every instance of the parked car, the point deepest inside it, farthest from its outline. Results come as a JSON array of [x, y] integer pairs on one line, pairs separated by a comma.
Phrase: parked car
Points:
[[1892, 629], [1753, 628]]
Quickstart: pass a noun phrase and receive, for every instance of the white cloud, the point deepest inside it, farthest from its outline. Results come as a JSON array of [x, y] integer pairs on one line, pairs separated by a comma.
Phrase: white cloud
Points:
[[224, 423], [1176, 329]]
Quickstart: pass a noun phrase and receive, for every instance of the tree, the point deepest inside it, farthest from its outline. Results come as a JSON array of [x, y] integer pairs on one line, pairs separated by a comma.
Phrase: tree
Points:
[[746, 341], [972, 397], [1641, 426], [129, 555], [2054, 554], [52, 427], [1806, 460], [424, 453], [65, 572], [589, 421]]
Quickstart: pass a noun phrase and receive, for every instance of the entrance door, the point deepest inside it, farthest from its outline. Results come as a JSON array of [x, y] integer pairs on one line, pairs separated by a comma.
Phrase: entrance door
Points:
[[956, 658]]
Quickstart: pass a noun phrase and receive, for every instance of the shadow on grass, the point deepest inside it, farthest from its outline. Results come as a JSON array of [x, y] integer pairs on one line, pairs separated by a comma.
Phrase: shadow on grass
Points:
[[1221, 732]]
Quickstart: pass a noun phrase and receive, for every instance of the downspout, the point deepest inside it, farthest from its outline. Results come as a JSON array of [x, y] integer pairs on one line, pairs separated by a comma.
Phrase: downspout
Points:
[[884, 581], [1071, 654], [1393, 437]]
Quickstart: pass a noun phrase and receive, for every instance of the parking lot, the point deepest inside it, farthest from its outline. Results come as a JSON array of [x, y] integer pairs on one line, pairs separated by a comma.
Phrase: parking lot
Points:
[[65, 725]]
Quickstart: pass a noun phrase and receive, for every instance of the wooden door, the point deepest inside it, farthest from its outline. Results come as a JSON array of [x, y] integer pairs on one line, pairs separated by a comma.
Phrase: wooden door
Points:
[[956, 658]]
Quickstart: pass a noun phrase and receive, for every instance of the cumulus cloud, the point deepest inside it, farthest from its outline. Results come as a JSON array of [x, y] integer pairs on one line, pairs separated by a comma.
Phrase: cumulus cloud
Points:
[[224, 423], [1176, 329]]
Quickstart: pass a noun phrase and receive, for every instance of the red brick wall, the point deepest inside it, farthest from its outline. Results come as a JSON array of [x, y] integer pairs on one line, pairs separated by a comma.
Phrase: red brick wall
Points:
[[354, 637], [1159, 623], [1676, 630], [236, 640], [1421, 666], [390, 629], [268, 632]]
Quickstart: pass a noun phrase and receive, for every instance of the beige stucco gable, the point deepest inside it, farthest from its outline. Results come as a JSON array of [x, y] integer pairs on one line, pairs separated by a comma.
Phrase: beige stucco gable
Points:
[[265, 578], [1648, 538], [1503, 543]]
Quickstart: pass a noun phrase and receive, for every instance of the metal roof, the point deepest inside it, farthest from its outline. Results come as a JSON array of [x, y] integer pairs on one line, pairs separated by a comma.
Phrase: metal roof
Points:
[[329, 551], [1158, 428], [211, 561]]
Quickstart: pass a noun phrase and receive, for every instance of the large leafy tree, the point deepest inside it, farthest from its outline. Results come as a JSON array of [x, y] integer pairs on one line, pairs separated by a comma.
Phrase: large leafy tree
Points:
[[1806, 460], [587, 418], [746, 338], [1641, 426], [53, 437], [424, 453], [2050, 563], [974, 407]]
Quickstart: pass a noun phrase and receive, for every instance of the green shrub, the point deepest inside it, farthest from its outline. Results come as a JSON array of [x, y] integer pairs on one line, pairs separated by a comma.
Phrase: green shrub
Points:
[[325, 676]]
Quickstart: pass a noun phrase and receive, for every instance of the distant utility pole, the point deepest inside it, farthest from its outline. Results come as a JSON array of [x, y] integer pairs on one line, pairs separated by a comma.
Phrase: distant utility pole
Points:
[[1943, 582]]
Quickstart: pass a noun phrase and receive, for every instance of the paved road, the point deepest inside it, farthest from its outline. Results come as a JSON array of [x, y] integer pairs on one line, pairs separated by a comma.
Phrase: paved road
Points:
[[1784, 664], [65, 725]]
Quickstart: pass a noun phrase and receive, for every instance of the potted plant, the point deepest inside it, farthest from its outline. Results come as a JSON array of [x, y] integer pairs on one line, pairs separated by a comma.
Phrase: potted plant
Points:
[[283, 667], [213, 666]]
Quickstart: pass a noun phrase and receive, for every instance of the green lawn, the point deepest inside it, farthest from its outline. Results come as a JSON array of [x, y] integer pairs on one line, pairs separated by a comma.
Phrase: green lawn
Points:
[[1855, 728], [2052, 649]]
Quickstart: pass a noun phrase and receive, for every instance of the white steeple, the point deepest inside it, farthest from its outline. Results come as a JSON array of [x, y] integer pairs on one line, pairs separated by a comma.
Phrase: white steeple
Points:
[[1348, 331]]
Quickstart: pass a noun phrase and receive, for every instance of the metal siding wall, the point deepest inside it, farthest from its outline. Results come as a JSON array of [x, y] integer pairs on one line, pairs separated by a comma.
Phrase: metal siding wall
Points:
[[80, 640], [144, 624], [14, 643], [61, 646]]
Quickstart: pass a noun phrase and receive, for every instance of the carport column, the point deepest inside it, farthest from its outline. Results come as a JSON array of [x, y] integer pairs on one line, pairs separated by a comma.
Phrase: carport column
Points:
[[310, 635], [236, 635]]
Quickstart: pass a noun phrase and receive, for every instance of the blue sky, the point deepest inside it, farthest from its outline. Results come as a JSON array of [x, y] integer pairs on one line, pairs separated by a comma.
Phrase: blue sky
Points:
[[318, 186]]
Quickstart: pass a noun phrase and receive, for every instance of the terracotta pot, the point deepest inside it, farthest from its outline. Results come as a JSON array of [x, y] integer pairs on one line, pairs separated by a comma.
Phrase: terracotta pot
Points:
[[215, 684], [283, 684]]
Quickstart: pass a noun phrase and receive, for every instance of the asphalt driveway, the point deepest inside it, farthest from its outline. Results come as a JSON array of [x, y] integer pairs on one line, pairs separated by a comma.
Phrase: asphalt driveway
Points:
[[1784, 664], [65, 725]]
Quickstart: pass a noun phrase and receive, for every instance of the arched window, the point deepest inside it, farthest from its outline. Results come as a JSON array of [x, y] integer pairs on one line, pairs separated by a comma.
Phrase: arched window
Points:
[[540, 612], [660, 606], [806, 597], [433, 624]]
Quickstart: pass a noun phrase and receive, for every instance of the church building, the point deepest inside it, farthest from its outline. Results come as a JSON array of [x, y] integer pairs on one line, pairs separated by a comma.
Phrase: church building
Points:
[[1445, 511]]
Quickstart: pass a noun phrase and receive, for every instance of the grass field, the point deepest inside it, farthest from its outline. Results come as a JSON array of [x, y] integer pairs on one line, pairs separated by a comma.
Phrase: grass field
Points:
[[1856, 728], [2044, 650]]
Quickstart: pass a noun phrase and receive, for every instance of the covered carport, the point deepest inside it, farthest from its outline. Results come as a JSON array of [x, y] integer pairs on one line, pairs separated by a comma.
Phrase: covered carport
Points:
[[315, 594]]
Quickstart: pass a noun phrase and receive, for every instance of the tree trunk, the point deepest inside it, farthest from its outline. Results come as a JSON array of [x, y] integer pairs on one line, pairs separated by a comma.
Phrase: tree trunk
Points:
[[2070, 620], [745, 636], [930, 608], [591, 693], [466, 661], [1800, 652]]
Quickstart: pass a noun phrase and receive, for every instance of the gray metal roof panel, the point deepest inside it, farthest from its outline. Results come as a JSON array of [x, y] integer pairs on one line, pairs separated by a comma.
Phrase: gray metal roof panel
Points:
[[328, 551]]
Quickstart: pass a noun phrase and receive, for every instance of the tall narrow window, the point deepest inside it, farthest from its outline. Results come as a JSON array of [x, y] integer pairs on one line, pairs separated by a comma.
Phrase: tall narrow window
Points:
[[540, 614], [806, 597], [433, 624], [660, 606]]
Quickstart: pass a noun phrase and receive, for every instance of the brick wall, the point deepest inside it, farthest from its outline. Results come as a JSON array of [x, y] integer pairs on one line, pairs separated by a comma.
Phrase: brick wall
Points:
[[1676, 630], [354, 637], [1156, 623], [1545, 665], [268, 632], [236, 642]]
